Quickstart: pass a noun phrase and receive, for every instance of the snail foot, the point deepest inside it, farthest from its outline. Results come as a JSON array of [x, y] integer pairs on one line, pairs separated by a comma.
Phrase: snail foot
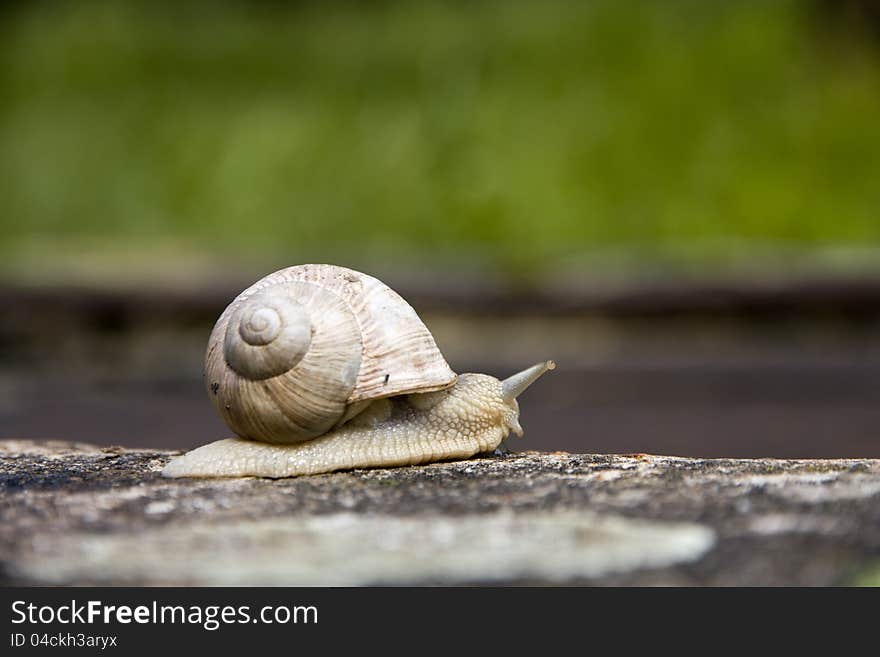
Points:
[[503, 451]]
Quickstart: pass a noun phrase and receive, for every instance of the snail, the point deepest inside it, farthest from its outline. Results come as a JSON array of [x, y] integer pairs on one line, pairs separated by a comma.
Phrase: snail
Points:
[[318, 368]]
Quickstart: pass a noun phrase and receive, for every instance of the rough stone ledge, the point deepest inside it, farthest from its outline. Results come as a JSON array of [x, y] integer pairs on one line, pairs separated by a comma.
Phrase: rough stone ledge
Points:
[[78, 514]]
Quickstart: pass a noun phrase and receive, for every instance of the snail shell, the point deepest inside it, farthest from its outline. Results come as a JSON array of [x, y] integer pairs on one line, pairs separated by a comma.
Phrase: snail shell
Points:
[[308, 347]]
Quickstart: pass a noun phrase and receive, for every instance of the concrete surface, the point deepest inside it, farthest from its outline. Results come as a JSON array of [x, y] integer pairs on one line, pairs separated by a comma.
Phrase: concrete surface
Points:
[[78, 514]]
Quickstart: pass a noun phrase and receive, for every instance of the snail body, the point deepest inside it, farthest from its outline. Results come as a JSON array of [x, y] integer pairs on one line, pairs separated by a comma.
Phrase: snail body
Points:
[[318, 368]]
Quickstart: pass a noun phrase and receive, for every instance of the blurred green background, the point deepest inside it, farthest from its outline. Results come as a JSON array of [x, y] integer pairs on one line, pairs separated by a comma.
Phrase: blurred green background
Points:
[[540, 179], [522, 138]]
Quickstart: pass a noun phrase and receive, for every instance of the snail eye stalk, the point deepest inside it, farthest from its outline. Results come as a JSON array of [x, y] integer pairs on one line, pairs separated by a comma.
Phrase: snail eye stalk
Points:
[[513, 386]]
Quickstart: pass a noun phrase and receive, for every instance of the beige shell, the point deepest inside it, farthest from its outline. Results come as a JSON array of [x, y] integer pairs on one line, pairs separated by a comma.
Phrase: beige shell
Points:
[[305, 348]]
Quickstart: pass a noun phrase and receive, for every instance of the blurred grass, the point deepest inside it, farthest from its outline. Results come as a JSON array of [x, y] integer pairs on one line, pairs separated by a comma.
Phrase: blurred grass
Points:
[[867, 576], [515, 136]]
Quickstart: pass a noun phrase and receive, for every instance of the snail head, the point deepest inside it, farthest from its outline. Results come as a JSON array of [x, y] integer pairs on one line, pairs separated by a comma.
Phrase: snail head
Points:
[[513, 386]]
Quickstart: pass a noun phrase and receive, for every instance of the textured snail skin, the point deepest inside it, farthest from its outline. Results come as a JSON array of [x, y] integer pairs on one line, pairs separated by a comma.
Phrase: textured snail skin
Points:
[[471, 417]]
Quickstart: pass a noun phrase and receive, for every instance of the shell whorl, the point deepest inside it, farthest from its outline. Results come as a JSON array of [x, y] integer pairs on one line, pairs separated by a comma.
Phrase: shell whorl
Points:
[[294, 351], [267, 335]]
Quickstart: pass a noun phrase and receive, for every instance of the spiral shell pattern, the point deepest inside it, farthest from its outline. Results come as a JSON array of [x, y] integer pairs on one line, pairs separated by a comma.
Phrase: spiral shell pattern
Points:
[[293, 352], [267, 335]]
